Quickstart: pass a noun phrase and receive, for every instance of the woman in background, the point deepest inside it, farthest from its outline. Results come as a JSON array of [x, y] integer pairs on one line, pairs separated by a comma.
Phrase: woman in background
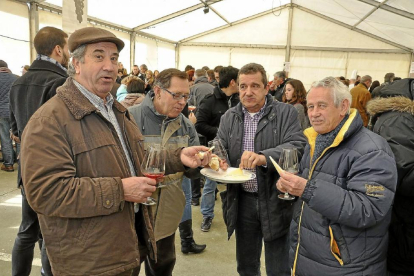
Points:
[[149, 81], [295, 94]]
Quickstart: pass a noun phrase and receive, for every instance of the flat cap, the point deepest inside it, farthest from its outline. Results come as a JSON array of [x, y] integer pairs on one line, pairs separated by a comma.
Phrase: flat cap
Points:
[[92, 35]]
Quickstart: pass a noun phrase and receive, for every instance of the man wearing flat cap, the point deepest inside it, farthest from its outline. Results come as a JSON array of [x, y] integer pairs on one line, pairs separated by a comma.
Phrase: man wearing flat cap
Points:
[[89, 177]]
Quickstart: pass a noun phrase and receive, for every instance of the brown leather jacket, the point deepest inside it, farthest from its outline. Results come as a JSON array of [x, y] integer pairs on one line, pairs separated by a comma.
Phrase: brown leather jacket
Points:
[[72, 169]]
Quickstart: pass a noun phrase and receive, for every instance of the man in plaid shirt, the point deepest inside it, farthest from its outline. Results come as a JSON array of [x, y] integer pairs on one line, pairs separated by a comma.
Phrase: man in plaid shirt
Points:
[[254, 130]]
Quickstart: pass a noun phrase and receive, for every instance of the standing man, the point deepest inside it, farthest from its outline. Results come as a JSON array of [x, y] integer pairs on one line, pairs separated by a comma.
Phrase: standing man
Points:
[[27, 94], [85, 188], [161, 122], [6, 81], [346, 185], [200, 89], [360, 97], [388, 79], [143, 71], [394, 120], [278, 85], [254, 130], [135, 71], [209, 113]]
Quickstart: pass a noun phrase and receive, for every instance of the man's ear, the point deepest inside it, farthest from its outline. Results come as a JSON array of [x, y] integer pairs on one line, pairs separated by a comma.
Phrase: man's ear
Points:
[[344, 107], [157, 91], [75, 63]]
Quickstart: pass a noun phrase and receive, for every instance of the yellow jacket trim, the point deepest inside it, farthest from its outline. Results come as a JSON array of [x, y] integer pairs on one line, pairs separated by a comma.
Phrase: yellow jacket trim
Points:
[[334, 248], [311, 134]]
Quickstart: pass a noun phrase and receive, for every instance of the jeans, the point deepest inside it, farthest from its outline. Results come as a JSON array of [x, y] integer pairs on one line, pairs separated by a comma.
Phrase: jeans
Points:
[[6, 142], [186, 184], [249, 242], [208, 199], [27, 237], [196, 188]]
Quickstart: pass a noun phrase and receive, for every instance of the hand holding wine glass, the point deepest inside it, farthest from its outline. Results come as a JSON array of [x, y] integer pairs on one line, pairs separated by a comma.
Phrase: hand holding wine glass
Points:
[[153, 166], [289, 162]]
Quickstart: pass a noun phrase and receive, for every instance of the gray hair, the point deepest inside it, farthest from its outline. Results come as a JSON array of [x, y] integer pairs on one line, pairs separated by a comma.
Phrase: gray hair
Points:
[[366, 78], [280, 74], [338, 90], [78, 54], [389, 77]]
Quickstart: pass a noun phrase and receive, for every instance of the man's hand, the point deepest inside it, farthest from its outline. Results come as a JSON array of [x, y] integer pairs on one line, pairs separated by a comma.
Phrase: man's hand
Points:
[[250, 160], [189, 156], [137, 189], [293, 184]]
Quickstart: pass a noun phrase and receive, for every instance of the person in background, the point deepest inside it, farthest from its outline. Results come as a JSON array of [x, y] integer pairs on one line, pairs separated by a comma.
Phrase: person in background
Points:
[[360, 97], [149, 80], [374, 85], [209, 113], [28, 94], [393, 114], [295, 94], [345, 188], [25, 69], [156, 72], [135, 71], [253, 131], [161, 122], [200, 89], [211, 78], [216, 73], [277, 88], [388, 79], [136, 93], [190, 74], [205, 68], [6, 81], [142, 71]]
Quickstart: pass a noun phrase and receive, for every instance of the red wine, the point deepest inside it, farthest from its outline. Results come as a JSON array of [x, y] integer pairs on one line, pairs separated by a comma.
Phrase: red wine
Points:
[[154, 175]]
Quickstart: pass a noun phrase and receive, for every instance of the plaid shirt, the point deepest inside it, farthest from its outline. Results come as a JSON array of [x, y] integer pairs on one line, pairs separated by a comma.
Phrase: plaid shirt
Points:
[[250, 127], [51, 60], [106, 110]]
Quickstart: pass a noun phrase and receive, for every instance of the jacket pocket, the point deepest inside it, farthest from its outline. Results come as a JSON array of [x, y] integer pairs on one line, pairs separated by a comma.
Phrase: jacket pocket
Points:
[[224, 206], [85, 228], [338, 245]]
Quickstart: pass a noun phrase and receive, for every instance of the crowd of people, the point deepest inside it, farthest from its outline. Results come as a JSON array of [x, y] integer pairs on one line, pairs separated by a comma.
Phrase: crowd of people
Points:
[[82, 126]]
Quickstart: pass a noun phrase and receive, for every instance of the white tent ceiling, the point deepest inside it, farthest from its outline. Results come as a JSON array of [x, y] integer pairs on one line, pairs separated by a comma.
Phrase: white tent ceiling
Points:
[[179, 20]]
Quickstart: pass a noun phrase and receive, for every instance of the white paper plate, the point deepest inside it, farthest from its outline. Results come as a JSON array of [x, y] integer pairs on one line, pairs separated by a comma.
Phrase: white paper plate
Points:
[[224, 177]]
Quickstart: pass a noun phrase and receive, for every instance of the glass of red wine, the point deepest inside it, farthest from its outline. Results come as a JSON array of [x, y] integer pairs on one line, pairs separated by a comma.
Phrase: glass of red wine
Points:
[[289, 162], [153, 166]]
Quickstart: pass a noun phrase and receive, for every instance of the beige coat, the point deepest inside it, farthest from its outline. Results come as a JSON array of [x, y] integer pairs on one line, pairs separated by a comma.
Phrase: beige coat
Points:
[[360, 97]]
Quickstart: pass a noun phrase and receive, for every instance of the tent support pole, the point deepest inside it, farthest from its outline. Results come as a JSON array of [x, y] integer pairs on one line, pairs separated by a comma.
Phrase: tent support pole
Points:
[[132, 49], [177, 56], [33, 27], [289, 35], [411, 75]]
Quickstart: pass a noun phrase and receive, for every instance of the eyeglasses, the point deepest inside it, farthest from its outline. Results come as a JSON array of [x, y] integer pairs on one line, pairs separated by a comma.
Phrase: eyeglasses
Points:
[[176, 96]]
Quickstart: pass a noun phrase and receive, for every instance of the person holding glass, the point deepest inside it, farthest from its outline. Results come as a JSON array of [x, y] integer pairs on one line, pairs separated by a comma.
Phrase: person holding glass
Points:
[[88, 180], [161, 122], [346, 184], [253, 131]]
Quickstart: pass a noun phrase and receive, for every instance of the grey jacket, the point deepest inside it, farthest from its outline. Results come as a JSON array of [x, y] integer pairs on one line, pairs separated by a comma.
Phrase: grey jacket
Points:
[[340, 225], [6, 81], [279, 128], [199, 90]]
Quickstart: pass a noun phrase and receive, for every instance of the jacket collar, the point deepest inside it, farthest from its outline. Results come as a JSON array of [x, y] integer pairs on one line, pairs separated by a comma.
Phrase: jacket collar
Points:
[[77, 103], [269, 103], [41, 65], [400, 104], [201, 80], [218, 93], [352, 125]]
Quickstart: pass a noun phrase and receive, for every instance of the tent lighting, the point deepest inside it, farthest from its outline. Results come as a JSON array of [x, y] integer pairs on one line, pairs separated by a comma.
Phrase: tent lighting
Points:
[[206, 9]]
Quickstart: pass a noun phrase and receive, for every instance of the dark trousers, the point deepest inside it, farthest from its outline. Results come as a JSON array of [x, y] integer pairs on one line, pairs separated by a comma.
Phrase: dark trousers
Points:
[[27, 237], [196, 188], [249, 242]]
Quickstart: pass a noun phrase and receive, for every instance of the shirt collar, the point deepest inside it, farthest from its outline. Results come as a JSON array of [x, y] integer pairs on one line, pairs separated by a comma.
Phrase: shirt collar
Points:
[[51, 60], [94, 99], [261, 111]]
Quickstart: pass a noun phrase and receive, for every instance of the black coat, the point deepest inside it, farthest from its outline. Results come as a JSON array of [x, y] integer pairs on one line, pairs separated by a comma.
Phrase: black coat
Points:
[[210, 110], [31, 91], [394, 118]]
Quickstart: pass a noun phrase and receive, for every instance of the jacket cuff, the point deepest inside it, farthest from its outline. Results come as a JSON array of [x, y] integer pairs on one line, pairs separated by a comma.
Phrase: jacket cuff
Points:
[[308, 191]]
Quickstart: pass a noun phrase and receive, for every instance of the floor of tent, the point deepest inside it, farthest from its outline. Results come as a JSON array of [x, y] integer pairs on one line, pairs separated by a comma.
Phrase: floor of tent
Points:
[[219, 258]]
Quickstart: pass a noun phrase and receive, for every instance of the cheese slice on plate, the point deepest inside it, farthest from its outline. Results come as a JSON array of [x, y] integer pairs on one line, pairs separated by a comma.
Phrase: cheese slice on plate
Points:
[[236, 172]]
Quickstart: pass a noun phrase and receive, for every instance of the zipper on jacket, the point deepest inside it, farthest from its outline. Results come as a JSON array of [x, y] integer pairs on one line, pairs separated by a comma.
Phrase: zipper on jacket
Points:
[[301, 212]]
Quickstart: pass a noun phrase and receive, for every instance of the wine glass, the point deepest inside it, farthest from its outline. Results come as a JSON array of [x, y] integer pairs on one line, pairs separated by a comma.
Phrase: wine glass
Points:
[[289, 162], [153, 166], [218, 149]]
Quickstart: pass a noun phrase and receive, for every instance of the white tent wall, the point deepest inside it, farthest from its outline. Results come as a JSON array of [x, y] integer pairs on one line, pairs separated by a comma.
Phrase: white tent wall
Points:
[[47, 18], [15, 37], [155, 54], [354, 50]]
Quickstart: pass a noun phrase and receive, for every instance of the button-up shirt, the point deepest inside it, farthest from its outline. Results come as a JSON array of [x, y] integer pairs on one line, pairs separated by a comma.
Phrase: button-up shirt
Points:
[[106, 110], [250, 126]]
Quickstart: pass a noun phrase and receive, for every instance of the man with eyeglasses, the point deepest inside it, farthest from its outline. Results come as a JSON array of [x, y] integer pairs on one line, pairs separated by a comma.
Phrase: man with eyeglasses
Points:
[[161, 122]]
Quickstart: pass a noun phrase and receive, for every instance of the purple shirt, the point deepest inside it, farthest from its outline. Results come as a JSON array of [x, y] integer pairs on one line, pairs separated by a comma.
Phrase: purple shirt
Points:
[[250, 127]]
